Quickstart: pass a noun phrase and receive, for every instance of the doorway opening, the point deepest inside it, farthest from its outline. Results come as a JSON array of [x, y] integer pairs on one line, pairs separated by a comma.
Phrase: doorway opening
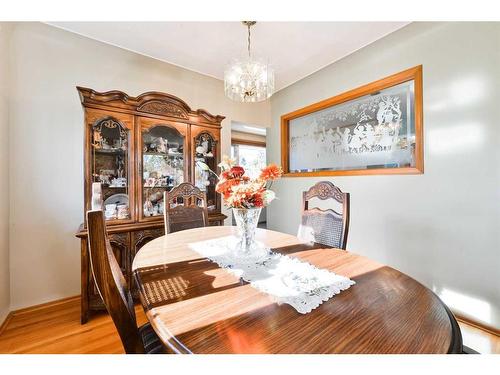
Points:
[[248, 149]]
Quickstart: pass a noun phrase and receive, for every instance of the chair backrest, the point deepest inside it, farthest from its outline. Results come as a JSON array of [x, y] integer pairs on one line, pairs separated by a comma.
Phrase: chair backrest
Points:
[[111, 284], [190, 213], [326, 226]]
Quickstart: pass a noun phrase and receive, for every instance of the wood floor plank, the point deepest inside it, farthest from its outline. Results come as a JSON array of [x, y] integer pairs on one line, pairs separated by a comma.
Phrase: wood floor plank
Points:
[[56, 329], [478, 339]]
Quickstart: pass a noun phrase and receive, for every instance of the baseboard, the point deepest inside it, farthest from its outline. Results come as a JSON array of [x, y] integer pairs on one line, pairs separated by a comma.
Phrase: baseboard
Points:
[[5, 322], [478, 325], [45, 305]]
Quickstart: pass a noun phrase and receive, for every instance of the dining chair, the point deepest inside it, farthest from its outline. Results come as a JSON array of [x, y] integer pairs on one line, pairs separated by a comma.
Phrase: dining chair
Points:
[[115, 293], [185, 207], [328, 226]]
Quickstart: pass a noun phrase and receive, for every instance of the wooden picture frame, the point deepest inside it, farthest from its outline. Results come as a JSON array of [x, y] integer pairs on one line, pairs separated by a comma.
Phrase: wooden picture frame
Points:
[[415, 149]]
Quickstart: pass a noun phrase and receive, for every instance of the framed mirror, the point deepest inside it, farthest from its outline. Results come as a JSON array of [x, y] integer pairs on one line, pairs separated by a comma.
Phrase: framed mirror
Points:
[[374, 129]]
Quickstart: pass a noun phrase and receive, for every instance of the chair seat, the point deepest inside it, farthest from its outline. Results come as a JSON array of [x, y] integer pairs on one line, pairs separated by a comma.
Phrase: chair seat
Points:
[[152, 343]]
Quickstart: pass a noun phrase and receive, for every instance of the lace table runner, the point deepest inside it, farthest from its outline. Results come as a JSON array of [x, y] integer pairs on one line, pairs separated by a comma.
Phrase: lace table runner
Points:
[[286, 279]]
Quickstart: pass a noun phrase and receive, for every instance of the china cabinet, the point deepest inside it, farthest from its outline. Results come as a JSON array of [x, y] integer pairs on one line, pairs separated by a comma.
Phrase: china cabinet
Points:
[[135, 148]]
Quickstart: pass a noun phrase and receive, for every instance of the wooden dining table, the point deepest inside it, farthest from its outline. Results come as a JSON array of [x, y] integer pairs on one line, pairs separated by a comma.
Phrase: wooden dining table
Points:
[[197, 307]]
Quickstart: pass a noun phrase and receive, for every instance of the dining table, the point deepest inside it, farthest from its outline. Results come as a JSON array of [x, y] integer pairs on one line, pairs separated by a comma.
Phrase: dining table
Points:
[[195, 306]]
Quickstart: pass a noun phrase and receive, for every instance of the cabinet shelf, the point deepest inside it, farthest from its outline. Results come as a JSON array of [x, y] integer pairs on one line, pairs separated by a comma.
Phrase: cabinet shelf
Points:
[[114, 151], [168, 187], [163, 155]]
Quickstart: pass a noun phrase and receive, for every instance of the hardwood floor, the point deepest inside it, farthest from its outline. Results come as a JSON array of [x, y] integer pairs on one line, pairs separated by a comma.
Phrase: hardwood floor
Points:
[[56, 329], [478, 339]]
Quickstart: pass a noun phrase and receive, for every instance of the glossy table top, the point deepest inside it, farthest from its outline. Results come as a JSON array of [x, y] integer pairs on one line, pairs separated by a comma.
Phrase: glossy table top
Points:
[[196, 307]]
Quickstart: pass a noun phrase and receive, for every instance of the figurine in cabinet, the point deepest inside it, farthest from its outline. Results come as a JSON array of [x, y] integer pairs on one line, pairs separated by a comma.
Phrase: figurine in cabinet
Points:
[[205, 144], [120, 144], [148, 208], [104, 178], [161, 145], [150, 147], [120, 164], [200, 150], [124, 144], [204, 147], [97, 139]]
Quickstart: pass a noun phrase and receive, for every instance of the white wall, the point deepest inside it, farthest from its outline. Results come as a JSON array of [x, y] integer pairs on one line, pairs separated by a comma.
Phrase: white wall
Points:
[[4, 173], [46, 141], [441, 227]]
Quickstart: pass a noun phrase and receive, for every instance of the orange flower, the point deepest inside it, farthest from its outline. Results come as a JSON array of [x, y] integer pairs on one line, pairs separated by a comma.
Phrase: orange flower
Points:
[[224, 187], [271, 172], [258, 201], [246, 196], [240, 191]]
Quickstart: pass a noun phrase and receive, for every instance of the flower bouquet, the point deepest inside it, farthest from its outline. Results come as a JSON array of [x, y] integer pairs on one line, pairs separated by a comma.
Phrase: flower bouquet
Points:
[[246, 197]]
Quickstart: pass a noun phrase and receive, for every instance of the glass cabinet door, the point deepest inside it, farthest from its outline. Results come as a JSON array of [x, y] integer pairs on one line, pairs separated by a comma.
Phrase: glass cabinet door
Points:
[[205, 151], [163, 163], [110, 140]]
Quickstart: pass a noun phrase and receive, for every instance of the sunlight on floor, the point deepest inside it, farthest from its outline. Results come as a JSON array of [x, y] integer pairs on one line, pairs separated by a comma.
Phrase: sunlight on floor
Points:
[[470, 306]]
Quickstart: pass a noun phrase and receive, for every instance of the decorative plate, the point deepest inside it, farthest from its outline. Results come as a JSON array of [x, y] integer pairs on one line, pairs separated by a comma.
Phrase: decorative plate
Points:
[[117, 199]]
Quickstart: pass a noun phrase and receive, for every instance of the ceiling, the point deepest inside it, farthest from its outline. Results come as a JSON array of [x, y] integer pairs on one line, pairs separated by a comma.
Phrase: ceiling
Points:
[[247, 128], [294, 49]]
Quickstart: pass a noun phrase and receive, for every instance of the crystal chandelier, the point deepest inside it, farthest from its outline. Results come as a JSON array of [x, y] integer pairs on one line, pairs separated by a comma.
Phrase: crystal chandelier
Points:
[[249, 79]]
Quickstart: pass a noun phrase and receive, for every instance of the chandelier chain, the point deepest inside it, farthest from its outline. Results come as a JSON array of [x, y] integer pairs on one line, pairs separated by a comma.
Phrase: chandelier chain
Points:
[[248, 25]]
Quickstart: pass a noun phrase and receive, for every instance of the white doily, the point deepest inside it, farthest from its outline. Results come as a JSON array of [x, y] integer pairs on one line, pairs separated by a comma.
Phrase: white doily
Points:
[[286, 279]]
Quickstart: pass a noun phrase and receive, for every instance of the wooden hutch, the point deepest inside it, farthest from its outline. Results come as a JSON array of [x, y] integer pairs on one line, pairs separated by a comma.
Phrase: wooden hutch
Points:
[[137, 148]]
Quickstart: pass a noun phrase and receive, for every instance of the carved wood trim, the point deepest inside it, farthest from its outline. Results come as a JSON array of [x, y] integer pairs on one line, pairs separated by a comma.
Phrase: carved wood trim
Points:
[[142, 235], [210, 117], [156, 103], [325, 190], [120, 239], [163, 108], [121, 242]]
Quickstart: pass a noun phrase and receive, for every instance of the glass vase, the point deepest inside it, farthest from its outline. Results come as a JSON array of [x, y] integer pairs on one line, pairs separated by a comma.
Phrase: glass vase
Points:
[[247, 220]]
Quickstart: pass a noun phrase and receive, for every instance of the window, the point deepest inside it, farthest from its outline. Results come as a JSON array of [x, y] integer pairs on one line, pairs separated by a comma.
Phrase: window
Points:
[[251, 158]]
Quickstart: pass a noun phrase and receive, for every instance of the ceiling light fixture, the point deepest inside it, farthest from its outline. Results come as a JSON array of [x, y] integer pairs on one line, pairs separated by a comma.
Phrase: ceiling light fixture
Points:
[[248, 79]]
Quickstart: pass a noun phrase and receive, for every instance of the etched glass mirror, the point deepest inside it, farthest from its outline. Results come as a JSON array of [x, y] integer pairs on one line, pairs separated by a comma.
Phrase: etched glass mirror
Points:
[[378, 130]]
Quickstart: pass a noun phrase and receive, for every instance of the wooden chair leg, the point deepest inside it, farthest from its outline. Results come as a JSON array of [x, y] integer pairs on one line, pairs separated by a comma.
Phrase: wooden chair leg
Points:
[[467, 350]]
